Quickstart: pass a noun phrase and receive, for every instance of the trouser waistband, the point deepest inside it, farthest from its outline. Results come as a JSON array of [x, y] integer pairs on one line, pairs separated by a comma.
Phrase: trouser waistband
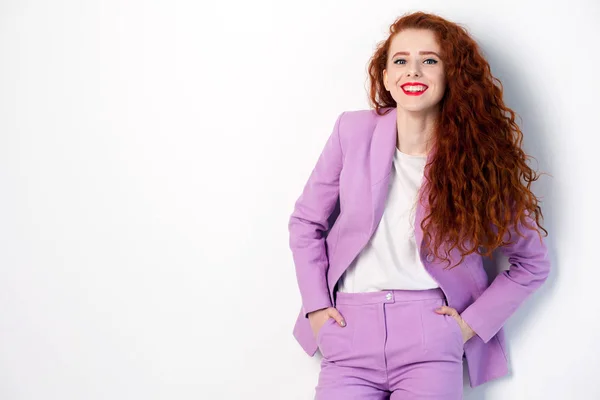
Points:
[[388, 296]]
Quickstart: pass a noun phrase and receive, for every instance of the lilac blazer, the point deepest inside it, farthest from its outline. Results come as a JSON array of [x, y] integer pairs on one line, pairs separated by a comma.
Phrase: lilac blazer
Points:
[[338, 211]]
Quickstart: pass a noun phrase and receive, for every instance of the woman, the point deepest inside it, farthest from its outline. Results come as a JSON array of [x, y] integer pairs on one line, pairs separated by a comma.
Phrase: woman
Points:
[[389, 232]]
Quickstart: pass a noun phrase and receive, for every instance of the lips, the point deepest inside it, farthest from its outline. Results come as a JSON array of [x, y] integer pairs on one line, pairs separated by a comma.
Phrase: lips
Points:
[[416, 93]]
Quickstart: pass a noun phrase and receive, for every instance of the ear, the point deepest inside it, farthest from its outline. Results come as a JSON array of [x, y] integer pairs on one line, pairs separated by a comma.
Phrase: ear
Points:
[[385, 80]]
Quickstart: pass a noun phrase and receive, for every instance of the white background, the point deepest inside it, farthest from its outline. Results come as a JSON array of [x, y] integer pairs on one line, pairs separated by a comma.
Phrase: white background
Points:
[[150, 156]]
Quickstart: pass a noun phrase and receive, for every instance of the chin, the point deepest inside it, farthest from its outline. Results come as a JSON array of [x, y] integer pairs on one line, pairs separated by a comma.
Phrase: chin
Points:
[[414, 108]]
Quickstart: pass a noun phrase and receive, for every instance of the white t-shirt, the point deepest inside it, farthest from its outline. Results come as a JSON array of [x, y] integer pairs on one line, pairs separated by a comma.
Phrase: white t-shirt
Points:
[[390, 260]]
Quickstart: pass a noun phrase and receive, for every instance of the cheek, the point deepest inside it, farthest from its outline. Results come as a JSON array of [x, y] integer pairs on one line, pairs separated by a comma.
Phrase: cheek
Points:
[[441, 81], [442, 88], [392, 83]]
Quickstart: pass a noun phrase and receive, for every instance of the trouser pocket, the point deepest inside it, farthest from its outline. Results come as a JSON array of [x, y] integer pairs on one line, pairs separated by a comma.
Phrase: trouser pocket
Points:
[[335, 341]]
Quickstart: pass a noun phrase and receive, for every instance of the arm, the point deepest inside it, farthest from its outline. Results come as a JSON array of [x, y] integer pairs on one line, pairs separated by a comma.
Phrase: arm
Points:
[[309, 221], [529, 268]]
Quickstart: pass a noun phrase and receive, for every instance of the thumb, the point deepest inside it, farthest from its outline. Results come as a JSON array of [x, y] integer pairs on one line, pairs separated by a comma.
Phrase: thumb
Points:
[[446, 310], [335, 314]]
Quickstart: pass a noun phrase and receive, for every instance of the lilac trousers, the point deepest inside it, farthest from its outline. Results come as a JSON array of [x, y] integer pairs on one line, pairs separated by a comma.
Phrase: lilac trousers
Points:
[[394, 346]]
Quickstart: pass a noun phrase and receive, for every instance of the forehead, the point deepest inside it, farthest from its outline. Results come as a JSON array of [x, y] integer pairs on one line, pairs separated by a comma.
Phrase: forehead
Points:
[[414, 40]]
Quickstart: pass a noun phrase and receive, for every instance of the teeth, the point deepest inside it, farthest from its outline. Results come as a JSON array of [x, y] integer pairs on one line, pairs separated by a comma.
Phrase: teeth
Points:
[[414, 88]]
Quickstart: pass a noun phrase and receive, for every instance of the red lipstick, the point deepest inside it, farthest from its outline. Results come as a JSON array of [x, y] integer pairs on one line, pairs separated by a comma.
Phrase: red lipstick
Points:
[[414, 84]]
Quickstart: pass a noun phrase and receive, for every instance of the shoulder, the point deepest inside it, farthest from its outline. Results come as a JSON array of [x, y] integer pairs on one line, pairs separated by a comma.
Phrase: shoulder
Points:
[[363, 116], [355, 124]]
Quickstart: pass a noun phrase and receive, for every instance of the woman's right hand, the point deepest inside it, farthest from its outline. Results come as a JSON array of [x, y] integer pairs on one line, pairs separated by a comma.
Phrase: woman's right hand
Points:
[[318, 318]]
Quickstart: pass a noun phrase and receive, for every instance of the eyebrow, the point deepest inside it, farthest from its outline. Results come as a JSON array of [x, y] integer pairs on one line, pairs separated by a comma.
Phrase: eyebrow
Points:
[[406, 53]]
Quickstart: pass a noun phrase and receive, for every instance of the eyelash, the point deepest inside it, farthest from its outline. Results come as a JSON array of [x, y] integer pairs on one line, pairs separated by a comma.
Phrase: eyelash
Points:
[[402, 59]]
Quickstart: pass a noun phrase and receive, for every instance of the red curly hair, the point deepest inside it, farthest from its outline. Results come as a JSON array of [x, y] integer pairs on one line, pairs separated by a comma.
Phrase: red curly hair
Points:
[[478, 167]]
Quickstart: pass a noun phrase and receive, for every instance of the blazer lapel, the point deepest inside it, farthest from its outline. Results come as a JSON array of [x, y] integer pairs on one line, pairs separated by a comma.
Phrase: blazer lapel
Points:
[[383, 146]]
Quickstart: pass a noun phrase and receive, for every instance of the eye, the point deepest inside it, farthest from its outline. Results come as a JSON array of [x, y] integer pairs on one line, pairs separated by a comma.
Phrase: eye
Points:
[[404, 61]]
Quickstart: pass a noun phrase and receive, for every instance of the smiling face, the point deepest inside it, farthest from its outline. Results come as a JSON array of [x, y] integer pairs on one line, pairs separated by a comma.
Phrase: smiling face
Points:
[[414, 73]]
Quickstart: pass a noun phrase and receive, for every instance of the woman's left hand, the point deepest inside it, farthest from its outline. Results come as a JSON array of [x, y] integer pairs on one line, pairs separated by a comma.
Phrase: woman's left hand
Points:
[[466, 330]]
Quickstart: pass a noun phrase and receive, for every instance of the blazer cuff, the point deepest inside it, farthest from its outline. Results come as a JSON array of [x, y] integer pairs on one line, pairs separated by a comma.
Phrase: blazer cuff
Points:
[[315, 307], [476, 324]]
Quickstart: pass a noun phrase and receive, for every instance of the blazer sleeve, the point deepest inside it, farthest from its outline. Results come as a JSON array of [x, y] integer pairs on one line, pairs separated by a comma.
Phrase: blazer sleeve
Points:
[[310, 220], [529, 268]]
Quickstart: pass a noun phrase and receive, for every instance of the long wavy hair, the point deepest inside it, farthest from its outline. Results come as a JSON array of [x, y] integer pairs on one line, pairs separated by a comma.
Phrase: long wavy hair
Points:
[[478, 182]]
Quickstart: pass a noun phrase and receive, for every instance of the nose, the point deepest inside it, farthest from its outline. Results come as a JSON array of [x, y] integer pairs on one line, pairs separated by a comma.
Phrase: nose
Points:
[[414, 70]]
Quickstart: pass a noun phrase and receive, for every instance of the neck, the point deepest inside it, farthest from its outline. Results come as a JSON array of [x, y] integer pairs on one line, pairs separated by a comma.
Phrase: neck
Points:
[[415, 131]]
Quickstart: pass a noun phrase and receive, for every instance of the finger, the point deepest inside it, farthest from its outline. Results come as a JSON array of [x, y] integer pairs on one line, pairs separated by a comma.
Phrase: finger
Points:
[[453, 312], [335, 314], [444, 310]]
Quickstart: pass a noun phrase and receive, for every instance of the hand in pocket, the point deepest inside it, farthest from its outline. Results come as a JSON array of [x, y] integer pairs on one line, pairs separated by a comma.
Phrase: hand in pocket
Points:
[[318, 318], [465, 329]]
